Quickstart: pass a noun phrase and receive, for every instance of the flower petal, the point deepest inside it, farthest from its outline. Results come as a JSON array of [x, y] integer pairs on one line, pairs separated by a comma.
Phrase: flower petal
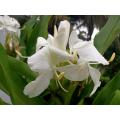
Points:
[[39, 61], [1, 21], [50, 39], [37, 86], [58, 55], [88, 52], [95, 32], [12, 22], [61, 38], [86, 49], [75, 72], [73, 39], [6, 98], [41, 42], [95, 75], [3, 34]]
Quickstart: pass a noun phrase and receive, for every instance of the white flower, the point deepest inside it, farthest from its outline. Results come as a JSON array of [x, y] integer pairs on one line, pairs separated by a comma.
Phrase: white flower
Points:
[[8, 25], [86, 54], [48, 54]]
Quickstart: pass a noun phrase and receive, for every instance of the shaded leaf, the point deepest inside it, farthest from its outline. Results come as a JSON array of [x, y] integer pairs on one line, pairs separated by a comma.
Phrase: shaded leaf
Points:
[[105, 95], [14, 83], [108, 34], [116, 98], [40, 29]]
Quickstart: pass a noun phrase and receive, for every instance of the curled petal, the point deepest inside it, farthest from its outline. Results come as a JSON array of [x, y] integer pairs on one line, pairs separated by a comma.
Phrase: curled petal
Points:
[[95, 75], [37, 86], [86, 49], [89, 53]]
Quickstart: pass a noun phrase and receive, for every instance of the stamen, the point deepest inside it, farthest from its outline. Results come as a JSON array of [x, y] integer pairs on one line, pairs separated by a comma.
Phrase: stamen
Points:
[[18, 53], [62, 86], [112, 57], [23, 27], [70, 62], [58, 78], [56, 74]]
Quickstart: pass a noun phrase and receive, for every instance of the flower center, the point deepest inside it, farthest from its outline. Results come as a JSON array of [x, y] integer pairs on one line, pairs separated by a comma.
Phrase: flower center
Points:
[[75, 57]]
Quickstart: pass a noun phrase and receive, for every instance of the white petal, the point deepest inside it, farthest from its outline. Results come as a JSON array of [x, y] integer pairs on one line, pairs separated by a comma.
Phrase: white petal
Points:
[[73, 39], [1, 21], [39, 61], [88, 52], [9, 24], [75, 72], [95, 32], [61, 38], [41, 42], [95, 75], [3, 34], [13, 29], [37, 86], [58, 55], [50, 39], [6, 98], [55, 31], [9, 21]]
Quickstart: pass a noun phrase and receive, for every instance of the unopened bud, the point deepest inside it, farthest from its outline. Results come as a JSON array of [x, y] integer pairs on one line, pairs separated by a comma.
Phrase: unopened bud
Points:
[[11, 44]]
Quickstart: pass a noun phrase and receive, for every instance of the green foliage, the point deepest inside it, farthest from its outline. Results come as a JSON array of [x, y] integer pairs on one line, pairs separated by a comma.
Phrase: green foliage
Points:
[[31, 30], [108, 34], [40, 29], [13, 80], [106, 94], [116, 98]]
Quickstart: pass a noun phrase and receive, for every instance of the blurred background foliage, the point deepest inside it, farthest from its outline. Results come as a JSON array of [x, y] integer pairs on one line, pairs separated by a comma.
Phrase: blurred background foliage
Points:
[[15, 74]]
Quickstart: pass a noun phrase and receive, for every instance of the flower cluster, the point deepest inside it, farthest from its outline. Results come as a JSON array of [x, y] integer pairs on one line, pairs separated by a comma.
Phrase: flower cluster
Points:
[[52, 52], [8, 26]]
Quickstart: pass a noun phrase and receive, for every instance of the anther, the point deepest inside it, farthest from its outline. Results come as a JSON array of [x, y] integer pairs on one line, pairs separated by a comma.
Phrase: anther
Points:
[[112, 57]]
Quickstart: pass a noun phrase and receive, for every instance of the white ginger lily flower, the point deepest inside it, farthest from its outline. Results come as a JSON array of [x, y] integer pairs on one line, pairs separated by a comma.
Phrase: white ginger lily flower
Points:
[[8, 25], [87, 55], [48, 54]]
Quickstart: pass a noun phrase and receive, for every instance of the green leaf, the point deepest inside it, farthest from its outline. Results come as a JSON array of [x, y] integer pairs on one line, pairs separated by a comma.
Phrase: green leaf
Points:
[[21, 68], [27, 29], [116, 98], [105, 95], [82, 91], [13, 82], [67, 96], [108, 34], [40, 29]]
